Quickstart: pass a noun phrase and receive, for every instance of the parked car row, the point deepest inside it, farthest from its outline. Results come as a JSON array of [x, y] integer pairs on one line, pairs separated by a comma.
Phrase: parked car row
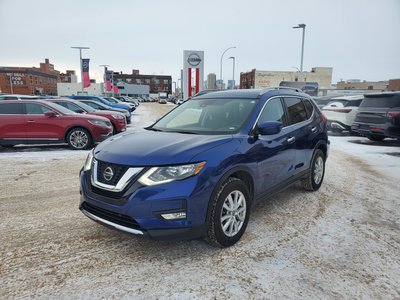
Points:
[[79, 121], [375, 116]]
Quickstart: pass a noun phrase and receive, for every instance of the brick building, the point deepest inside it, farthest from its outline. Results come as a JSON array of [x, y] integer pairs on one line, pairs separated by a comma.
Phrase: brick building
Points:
[[30, 81], [156, 83], [356, 84]]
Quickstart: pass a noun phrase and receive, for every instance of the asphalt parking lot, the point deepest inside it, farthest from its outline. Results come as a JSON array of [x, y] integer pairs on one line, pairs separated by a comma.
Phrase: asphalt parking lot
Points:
[[340, 242]]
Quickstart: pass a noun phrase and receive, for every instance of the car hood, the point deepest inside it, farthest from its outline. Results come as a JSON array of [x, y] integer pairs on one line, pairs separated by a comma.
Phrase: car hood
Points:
[[150, 148], [105, 113]]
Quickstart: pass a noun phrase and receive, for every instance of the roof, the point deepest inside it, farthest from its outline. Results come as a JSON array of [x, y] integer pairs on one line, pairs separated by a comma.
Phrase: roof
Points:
[[252, 93]]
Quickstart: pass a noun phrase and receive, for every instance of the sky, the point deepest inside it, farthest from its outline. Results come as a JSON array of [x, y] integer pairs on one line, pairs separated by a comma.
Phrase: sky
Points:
[[359, 39]]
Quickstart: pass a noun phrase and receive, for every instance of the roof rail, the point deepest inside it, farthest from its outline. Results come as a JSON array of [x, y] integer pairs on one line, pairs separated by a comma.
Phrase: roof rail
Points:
[[280, 88]]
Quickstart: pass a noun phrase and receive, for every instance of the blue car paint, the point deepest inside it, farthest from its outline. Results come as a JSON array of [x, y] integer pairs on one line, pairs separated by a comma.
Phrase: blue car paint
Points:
[[104, 101], [269, 160]]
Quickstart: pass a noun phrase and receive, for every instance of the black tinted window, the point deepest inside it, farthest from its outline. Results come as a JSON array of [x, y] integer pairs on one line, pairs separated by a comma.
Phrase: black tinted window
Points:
[[11, 108], [36, 109], [93, 104], [381, 101], [309, 107], [296, 109], [273, 111], [69, 106]]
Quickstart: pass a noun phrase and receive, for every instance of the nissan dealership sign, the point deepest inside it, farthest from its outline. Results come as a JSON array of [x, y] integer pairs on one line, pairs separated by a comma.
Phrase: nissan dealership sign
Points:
[[193, 72]]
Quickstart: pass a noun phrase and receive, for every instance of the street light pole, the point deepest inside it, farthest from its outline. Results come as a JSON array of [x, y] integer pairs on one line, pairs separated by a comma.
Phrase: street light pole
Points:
[[233, 72], [104, 78], [303, 26], [220, 66], [80, 57]]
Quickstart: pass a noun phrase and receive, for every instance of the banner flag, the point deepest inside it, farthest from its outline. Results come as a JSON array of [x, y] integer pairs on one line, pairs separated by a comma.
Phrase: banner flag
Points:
[[108, 81], [85, 72]]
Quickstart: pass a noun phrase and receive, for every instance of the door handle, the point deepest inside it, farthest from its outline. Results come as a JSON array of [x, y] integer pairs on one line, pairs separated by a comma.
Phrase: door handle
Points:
[[313, 129], [291, 139], [31, 121]]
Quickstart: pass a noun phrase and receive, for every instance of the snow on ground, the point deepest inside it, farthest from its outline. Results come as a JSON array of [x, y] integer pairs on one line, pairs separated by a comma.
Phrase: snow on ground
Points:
[[341, 242]]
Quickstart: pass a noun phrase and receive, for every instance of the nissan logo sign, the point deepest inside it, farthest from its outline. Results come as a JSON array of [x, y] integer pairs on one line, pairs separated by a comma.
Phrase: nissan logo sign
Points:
[[108, 173], [194, 59]]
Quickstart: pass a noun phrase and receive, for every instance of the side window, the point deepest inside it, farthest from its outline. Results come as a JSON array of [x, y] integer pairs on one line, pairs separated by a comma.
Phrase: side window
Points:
[[35, 109], [92, 104], [296, 109], [11, 109], [309, 107], [273, 111]]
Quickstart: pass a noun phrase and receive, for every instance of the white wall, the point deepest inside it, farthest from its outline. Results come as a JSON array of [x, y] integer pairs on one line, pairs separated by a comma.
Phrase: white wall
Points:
[[68, 89]]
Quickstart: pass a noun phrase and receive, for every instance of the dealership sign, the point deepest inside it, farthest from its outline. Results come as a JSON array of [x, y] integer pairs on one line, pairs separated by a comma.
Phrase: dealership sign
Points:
[[193, 72]]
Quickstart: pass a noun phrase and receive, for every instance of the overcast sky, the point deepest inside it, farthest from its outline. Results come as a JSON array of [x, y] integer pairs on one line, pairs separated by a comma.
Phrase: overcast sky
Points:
[[359, 39]]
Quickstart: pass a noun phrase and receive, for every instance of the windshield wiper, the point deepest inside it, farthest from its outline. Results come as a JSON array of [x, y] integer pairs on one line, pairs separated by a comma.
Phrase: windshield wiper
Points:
[[183, 131], [153, 129]]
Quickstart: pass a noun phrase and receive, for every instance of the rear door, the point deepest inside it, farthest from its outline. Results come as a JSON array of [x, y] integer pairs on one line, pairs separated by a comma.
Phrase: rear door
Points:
[[12, 121], [303, 130], [39, 126], [274, 154]]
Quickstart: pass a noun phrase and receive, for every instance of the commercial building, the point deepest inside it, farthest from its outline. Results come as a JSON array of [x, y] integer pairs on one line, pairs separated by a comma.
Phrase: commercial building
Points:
[[211, 81], [65, 89], [30, 81], [394, 85], [356, 84], [255, 79], [69, 76], [156, 83]]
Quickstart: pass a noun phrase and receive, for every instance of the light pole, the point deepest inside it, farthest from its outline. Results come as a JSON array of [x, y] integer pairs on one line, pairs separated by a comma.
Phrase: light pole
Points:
[[233, 72], [180, 90], [104, 78], [174, 82], [80, 57], [220, 66], [303, 26]]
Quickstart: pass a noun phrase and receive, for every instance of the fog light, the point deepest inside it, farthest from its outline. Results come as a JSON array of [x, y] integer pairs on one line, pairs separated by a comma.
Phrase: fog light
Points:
[[174, 216]]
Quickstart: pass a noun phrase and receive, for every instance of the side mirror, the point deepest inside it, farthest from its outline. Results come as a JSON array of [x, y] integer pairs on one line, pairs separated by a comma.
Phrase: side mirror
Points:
[[269, 128], [50, 114]]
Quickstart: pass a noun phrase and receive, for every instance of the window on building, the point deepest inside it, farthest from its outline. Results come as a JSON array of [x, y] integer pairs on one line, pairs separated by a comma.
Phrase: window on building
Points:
[[166, 81], [138, 81], [147, 81], [157, 81]]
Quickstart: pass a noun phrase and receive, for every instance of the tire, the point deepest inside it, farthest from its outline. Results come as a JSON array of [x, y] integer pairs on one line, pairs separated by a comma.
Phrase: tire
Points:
[[114, 131], [232, 194], [79, 139], [375, 138], [317, 172]]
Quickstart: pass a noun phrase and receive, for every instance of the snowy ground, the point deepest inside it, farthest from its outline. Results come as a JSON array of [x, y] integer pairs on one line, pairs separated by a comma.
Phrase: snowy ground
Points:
[[340, 242]]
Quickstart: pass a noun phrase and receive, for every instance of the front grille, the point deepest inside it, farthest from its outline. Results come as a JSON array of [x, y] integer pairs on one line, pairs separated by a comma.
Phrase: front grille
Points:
[[113, 217], [118, 170]]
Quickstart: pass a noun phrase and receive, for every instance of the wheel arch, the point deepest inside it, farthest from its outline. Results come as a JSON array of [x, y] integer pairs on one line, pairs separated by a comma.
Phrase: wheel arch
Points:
[[77, 127]]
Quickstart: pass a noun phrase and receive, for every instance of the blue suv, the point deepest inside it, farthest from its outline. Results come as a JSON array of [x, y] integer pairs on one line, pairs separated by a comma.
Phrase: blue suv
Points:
[[102, 100], [197, 171]]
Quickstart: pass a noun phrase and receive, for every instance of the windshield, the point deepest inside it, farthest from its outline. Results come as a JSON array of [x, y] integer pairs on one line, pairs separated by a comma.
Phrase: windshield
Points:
[[207, 116], [111, 99], [381, 101], [84, 106]]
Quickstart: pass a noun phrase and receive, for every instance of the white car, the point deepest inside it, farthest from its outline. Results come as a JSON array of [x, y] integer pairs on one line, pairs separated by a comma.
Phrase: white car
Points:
[[341, 112]]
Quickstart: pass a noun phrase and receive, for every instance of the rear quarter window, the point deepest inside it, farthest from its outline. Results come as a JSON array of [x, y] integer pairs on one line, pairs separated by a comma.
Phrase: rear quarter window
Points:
[[11, 108], [309, 107], [296, 109]]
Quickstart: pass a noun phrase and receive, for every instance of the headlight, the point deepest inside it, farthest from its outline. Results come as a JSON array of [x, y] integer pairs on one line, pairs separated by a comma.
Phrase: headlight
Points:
[[88, 163], [159, 175], [99, 123], [118, 117]]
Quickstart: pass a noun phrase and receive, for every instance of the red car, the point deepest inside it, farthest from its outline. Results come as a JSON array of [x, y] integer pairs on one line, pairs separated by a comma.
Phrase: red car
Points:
[[43, 122], [117, 119]]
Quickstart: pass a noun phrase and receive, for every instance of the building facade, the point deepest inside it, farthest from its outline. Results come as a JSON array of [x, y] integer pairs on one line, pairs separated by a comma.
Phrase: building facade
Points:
[[69, 77], [65, 89], [211, 81], [30, 81], [156, 83], [356, 84], [263, 79]]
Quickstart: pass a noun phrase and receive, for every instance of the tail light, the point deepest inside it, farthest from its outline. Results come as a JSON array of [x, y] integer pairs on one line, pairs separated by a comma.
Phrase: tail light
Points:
[[324, 118], [393, 114]]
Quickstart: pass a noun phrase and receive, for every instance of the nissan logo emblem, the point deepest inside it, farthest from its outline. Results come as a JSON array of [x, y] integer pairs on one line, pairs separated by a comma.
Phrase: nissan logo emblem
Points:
[[194, 59], [108, 173]]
